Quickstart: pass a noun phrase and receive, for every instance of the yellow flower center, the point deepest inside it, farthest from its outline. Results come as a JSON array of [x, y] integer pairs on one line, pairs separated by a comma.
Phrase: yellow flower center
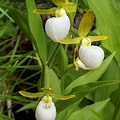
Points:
[[86, 42], [60, 12], [47, 99]]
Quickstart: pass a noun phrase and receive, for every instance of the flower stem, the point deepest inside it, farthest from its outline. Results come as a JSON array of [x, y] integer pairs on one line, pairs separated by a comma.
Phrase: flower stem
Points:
[[46, 76]]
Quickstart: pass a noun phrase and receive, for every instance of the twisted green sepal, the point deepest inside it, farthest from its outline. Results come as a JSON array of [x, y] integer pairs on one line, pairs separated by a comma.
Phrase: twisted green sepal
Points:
[[71, 41], [45, 11], [31, 95], [97, 38], [70, 7], [83, 30], [59, 3], [67, 6], [60, 97], [86, 24]]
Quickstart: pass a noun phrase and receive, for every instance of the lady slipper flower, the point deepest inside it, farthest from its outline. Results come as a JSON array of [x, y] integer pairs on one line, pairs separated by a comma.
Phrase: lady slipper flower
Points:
[[90, 57], [46, 109], [58, 27]]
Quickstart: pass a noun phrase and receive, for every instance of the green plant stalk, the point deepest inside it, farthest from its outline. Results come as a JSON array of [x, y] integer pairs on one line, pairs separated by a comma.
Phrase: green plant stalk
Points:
[[46, 77], [48, 65], [37, 56], [54, 53], [74, 31]]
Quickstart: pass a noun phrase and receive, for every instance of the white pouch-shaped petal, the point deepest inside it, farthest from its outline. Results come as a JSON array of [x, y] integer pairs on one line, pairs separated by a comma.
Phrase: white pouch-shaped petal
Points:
[[57, 28], [91, 56], [45, 111]]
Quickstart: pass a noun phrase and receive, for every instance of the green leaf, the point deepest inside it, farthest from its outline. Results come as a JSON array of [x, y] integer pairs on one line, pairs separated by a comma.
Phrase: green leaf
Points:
[[59, 3], [112, 73], [55, 83], [4, 28], [93, 85], [107, 12], [64, 114], [82, 90], [115, 99], [116, 4], [92, 111], [70, 7], [86, 24], [71, 41], [45, 11], [67, 112], [20, 19], [91, 76], [31, 95], [31, 105], [62, 60], [95, 115], [35, 24], [4, 117]]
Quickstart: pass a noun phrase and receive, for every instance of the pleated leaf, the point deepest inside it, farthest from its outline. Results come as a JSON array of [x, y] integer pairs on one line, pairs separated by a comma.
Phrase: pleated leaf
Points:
[[92, 112], [86, 24], [90, 76], [82, 90]]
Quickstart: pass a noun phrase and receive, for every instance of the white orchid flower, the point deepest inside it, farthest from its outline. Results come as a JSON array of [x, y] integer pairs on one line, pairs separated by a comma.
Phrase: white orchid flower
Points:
[[46, 109], [91, 56], [58, 27]]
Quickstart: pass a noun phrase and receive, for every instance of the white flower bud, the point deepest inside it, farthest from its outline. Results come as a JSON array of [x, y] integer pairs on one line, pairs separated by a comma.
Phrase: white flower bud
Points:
[[46, 109], [57, 28], [91, 56]]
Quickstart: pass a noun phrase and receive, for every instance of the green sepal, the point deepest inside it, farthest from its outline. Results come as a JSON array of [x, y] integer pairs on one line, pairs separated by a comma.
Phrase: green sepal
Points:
[[86, 24], [70, 7], [45, 11], [47, 90], [31, 95], [71, 41], [59, 3], [60, 97], [97, 38]]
